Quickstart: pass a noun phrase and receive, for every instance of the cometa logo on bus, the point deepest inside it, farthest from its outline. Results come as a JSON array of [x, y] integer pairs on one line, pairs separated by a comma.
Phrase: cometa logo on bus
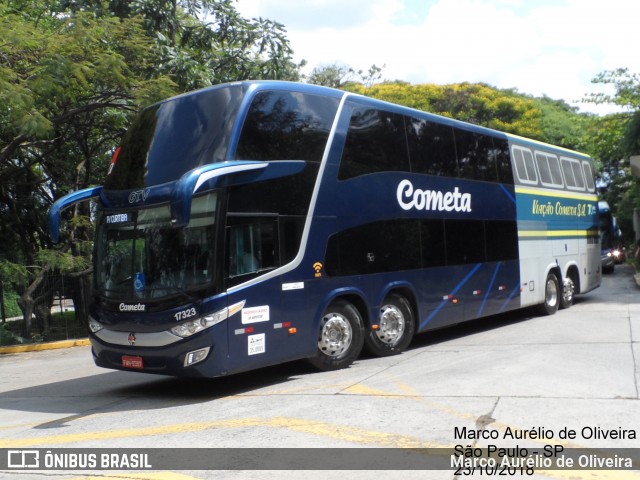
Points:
[[139, 307], [409, 198]]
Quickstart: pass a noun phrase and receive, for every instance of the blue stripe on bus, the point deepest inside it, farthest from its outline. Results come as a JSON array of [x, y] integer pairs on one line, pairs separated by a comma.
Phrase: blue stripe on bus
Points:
[[508, 193], [488, 291], [510, 297], [453, 292]]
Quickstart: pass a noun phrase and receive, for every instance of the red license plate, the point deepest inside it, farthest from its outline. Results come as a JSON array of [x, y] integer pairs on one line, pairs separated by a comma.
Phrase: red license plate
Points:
[[132, 362]]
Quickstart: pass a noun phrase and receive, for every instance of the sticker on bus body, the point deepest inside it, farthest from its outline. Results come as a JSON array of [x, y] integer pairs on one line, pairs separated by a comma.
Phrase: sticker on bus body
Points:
[[255, 314], [256, 344]]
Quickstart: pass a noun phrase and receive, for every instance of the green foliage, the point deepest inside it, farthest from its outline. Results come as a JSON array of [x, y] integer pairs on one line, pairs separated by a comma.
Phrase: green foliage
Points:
[[561, 124], [334, 75], [61, 261], [202, 42], [8, 337], [12, 273], [612, 139], [11, 308], [342, 76], [63, 326], [626, 87], [631, 139]]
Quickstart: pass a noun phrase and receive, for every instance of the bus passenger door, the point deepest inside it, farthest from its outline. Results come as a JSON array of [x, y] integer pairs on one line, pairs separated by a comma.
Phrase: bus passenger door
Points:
[[251, 252]]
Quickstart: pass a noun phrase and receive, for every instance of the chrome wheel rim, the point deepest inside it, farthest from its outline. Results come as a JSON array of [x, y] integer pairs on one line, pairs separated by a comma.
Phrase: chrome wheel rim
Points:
[[551, 295], [568, 291], [392, 325], [335, 335]]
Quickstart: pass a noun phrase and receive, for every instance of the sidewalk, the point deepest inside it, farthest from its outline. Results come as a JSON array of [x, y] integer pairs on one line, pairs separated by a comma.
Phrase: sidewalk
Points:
[[36, 347]]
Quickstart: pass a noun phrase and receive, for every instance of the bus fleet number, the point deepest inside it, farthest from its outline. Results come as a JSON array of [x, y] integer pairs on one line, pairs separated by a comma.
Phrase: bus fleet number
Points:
[[184, 314]]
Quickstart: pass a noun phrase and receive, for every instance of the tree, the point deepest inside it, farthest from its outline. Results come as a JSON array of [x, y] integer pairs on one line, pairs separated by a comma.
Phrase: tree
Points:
[[334, 75], [67, 87], [339, 76], [626, 86], [561, 124], [204, 42], [613, 139], [72, 74]]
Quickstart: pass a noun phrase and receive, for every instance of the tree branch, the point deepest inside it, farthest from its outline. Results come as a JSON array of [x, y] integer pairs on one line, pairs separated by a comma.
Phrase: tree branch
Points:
[[12, 146]]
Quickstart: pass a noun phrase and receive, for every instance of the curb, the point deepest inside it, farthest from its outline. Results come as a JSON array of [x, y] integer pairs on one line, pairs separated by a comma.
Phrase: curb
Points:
[[37, 347]]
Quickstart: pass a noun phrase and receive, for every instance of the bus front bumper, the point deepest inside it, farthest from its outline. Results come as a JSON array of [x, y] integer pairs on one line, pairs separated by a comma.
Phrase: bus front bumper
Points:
[[199, 356]]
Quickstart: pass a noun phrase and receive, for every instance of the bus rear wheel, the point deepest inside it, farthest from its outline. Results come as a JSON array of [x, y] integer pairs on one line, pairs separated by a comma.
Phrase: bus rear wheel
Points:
[[340, 337], [395, 327], [568, 292], [552, 295]]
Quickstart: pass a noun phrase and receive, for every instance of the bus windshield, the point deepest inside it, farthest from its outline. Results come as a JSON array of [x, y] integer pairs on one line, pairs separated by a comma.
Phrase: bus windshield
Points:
[[139, 255], [170, 138]]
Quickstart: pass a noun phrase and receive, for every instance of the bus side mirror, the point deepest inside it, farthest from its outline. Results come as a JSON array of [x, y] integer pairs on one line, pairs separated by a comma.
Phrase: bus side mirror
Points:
[[65, 202], [224, 174]]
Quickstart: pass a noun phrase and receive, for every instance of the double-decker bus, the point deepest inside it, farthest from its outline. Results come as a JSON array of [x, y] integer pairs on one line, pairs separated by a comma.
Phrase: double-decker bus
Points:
[[255, 223]]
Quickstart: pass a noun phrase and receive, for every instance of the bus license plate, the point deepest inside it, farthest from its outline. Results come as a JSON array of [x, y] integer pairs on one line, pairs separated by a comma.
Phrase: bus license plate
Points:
[[132, 362]]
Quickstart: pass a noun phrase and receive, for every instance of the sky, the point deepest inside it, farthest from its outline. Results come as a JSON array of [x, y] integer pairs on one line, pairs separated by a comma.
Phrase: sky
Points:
[[539, 47]]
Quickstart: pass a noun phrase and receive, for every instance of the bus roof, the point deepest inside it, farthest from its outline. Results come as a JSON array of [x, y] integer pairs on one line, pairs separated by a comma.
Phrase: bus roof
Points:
[[251, 86], [536, 143]]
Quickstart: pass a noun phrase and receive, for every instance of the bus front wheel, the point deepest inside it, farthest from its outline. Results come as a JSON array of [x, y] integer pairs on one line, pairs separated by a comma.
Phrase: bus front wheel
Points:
[[552, 295], [340, 337], [395, 327]]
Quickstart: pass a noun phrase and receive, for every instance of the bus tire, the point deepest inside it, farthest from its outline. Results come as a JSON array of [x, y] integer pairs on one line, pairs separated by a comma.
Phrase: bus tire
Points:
[[552, 295], [395, 329], [340, 337], [568, 292]]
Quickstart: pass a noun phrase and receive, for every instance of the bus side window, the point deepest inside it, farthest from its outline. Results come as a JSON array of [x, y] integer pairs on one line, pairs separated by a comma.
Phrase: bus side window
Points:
[[476, 156], [525, 166], [588, 175], [431, 148], [503, 161], [375, 142], [251, 247], [290, 234], [286, 126], [573, 174], [465, 241], [386, 246]]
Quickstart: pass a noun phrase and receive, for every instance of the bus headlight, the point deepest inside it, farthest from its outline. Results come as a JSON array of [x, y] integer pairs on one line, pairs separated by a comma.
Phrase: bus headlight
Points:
[[94, 325], [196, 325], [191, 327]]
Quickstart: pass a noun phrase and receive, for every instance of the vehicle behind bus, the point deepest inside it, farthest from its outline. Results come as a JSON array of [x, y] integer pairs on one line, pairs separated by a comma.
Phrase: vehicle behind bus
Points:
[[610, 235]]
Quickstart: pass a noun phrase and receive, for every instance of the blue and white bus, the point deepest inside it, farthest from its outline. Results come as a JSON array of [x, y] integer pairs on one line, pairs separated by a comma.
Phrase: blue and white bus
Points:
[[255, 223]]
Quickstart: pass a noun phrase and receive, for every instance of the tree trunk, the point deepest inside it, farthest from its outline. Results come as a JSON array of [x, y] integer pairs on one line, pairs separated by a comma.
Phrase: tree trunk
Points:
[[43, 314], [28, 299], [81, 295]]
